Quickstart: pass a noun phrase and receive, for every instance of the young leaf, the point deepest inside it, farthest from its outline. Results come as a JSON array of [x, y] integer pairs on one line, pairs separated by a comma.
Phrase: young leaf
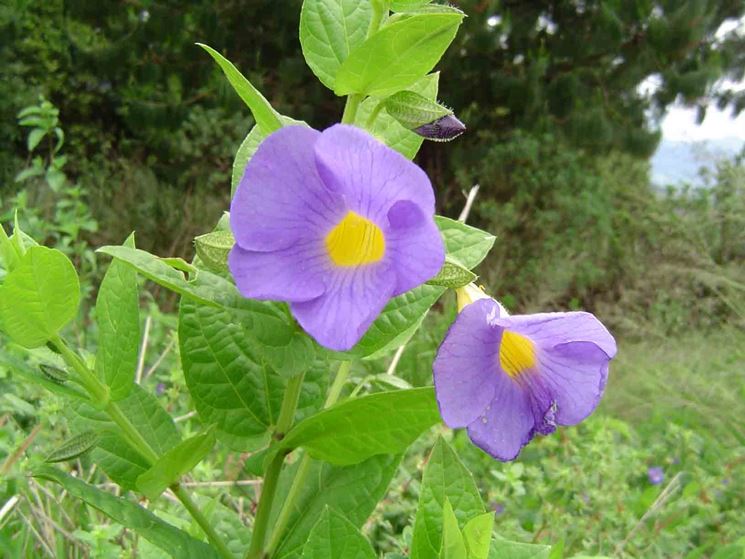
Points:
[[453, 275], [355, 490], [445, 477], [464, 243], [477, 533], [118, 318], [398, 55], [74, 447], [265, 116], [39, 297], [178, 461], [236, 362], [453, 544], [403, 5], [213, 249], [387, 129], [334, 537], [344, 434], [504, 549], [248, 147], [398, 322], [329, 30], [141, 521]]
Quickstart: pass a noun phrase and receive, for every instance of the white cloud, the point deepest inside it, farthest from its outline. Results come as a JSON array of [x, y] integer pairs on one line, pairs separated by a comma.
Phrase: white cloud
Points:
[[680, 125]]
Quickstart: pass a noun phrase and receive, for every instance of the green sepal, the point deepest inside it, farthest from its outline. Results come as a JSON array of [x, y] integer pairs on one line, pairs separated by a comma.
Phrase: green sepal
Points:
[[453, 275], [413, 110], [213, 249]]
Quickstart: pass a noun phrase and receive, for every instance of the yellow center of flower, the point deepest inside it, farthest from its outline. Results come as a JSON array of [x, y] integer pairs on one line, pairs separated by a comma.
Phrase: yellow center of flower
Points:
[[355, 241], [516, 353]]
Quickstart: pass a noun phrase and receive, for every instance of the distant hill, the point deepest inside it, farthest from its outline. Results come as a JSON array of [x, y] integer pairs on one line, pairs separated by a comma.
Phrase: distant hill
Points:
[[677, 162]]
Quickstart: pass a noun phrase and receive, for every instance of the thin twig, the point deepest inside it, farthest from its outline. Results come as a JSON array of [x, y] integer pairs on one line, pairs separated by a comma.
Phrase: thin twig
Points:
[[7, 507], [396, 358], [158, 361], [143, 350], [184, 417], [13, 458], [39, 537], [469, 203]]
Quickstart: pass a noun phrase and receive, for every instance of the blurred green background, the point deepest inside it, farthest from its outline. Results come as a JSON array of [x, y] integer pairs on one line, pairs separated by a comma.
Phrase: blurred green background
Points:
[[138, 131]]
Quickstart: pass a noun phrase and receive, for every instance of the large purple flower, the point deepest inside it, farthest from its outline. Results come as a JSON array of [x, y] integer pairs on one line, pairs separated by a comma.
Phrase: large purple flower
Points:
[[335, 223], [507, 378]]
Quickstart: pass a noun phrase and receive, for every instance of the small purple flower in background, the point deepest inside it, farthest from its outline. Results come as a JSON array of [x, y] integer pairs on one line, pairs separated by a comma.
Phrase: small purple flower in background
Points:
[[160, 389], [507, 378], [335, 223], [656, 475], [499, 508]]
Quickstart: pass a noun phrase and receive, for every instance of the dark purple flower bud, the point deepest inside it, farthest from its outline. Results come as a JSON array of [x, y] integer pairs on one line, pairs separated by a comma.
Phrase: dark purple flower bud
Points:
[[655, 475], [160, 389], [443, 129]]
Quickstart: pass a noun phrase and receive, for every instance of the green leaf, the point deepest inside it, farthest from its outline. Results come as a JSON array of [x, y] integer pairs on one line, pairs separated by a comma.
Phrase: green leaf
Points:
[[504, 549], [213, 249], [453, 544], [329, 30], [344, 434], [453, 275], [464, 243], [403, 5], [335, 537], [477, 533], [236, 363], [387, 129], [248, 147], [355, 490], [74, 447], [118, 318], [39, 297], [113, 455], [445, 477], [413, 110], [176, 462], [21, 368], [34, 138], [265, 116], [398, 322], [205, 287], [397, 56], [167, 537]]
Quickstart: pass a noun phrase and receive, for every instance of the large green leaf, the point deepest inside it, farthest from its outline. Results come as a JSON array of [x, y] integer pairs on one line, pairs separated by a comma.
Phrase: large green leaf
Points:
[[353, 490], [398, 55], [398, 322], [176, 462], [388, 129], [206, 287], [231, 360], [335, 537], [466, 244], [504, 549], [248, 147], [118, 319], [477, 533], [347, 433], [143, 522], [453, 544], [113, 455], [445, 478], [329, 30], [39, 296], [265, 116]]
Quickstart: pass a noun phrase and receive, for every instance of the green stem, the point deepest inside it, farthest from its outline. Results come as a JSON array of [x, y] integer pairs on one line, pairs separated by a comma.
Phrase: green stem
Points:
[[268, 492], [197, 515], [289, 405], [342, 374], [379, 10], [99, 393], [350, 109], [373, 115]]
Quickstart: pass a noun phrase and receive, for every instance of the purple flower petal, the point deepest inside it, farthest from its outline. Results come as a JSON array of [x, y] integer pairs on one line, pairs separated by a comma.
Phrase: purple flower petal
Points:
[[465, 368], [281, 199], [352, 301], [295, 273], [368, 174], [414, 242]]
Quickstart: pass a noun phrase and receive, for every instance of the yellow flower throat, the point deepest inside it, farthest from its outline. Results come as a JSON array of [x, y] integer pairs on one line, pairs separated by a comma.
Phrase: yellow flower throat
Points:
[[355, 241], [516, 354]]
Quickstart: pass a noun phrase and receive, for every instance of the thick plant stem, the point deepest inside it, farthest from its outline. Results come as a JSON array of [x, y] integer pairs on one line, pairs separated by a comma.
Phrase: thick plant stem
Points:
[[350, 109], [342, 374], [200, 519], [289, 405], [100, 394]]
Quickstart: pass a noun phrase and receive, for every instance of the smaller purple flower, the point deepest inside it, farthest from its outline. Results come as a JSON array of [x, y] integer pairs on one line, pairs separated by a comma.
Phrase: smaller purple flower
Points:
[[656, 475], [507, 378], [160, 389], [499, 509], [443, 129], [334, 223]]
